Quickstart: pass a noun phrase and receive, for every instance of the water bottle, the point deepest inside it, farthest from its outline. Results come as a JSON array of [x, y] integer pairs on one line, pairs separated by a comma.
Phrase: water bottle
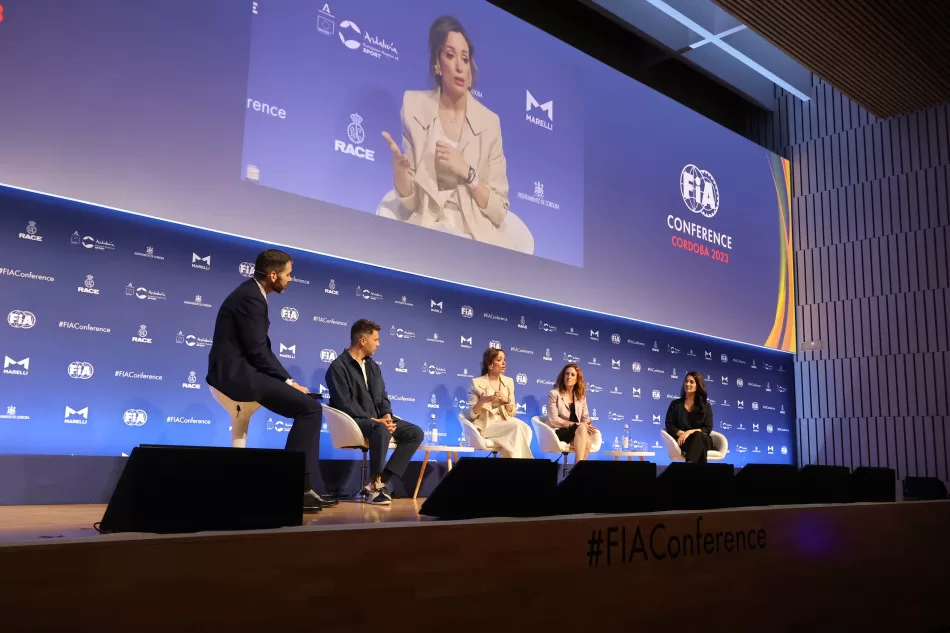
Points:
[[626, 437], [616, 444], [433, 435]]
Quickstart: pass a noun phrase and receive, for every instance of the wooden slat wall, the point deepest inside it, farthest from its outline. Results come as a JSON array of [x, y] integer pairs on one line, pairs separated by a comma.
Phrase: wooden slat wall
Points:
[[871, 206], [891, 56]]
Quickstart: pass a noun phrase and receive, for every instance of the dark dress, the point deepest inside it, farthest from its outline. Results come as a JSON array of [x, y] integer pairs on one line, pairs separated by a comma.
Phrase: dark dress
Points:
[[679, 419]]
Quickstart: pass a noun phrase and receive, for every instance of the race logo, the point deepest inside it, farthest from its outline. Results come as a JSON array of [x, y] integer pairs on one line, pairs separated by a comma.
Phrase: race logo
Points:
[[356, 135]]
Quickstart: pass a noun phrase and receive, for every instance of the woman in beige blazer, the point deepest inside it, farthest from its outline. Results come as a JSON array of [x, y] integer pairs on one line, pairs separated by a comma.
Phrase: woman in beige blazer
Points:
[[491, 407], [567, 411], [451, 174]]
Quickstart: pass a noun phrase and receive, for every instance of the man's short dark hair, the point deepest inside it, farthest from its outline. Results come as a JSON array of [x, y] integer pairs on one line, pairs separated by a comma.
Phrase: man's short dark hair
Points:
[[271, 261], [363, 327]]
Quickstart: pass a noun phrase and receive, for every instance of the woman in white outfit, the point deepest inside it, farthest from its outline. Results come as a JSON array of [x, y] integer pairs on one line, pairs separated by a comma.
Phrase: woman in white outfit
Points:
[[491, 402]]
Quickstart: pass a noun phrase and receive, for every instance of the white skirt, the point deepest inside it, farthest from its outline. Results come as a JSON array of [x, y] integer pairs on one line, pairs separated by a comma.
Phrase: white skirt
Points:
[[512, 437]]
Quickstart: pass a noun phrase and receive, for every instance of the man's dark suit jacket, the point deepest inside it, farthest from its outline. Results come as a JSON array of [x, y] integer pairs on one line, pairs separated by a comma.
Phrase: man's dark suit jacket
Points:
[[348, 392], [241, 354]]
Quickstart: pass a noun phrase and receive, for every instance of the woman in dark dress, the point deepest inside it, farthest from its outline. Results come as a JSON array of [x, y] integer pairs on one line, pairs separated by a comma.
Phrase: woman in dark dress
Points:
[[689, 420]]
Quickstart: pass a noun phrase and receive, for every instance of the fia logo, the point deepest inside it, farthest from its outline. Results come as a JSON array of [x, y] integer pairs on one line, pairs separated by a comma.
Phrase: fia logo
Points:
[[769, 428], [615, 339], [331, 288], [327, 355], [724, 358], [699, 190], [21, 319], [636, 368], [755, 406], [656, 394], [80, 370], [468, 312], [246, 269], [494, 344], [739, 382], [521, 379], [354, 132], [289, 314], [135, 417]]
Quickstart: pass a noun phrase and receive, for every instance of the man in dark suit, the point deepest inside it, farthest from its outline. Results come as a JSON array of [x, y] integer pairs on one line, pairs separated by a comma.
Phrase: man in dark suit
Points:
[[243, 367], [356, 388]]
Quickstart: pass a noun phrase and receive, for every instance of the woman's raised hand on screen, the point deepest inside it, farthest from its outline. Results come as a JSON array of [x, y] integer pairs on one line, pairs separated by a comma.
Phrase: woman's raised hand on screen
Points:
[[402, 167], [400, 160]]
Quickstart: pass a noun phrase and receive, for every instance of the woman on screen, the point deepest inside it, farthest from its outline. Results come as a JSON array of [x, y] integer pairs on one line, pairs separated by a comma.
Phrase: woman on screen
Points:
[[689, 420], [451, 173], [491, 407], [567, 411]]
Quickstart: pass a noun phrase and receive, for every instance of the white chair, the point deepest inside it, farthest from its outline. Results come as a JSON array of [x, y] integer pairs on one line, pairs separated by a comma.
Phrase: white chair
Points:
[[240, 413], [716, 453], [513, 232], [345, 433], [475, 439], [549, 442]]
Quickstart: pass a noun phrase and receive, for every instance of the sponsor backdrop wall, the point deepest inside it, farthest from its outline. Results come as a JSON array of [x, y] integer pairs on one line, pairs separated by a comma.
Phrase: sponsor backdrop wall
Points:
[[264, 119], [109, 318]]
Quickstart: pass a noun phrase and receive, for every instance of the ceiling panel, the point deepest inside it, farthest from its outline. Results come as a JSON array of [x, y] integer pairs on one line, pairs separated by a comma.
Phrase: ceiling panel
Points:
[[890, 56]]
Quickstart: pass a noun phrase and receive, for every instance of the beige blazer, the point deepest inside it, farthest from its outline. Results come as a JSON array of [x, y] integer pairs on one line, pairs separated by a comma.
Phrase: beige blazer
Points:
[[480, 387], [481, 146], [559, 411]]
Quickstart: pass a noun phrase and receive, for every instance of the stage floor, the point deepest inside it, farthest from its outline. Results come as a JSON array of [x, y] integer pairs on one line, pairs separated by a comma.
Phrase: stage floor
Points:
[[42, 523]]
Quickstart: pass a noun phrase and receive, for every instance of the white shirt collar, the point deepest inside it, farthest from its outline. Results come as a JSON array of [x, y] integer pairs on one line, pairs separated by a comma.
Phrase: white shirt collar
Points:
[[262, 289]]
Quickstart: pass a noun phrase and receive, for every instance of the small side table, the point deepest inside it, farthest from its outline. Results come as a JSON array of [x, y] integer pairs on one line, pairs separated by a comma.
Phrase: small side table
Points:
[[451, 452], [629, 454]]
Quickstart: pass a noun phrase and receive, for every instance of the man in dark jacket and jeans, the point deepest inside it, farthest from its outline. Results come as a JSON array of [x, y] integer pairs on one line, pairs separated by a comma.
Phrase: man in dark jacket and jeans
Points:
[[356, 388]]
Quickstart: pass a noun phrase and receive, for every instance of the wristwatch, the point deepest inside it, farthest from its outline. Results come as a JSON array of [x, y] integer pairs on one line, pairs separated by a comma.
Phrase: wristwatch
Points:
[[472, 179]]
